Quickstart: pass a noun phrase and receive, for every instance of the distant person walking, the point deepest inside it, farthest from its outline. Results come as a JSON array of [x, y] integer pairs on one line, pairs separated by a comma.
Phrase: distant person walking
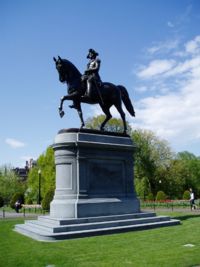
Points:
[[192, 204], [17, 206]]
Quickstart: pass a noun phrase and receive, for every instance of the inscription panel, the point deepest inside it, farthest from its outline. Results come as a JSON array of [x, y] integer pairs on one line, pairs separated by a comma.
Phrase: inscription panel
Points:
[[106, 177]]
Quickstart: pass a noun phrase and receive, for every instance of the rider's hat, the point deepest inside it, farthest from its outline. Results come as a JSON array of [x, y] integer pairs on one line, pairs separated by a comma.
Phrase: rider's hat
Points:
[[92, 51]]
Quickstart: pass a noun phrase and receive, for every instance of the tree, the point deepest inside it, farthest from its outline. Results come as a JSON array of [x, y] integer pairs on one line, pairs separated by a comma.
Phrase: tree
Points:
[[142, 187], [185, 156], [113, 125], [172, 179], [192, 170], [46, 164], [153, 155], [186, 195], [10, 183], [48, 197], [160, 196], [1, 201]]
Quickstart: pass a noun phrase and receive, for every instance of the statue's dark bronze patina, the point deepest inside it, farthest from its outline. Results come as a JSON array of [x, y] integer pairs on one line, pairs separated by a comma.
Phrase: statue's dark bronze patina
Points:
[[91, 74], [88, 88]]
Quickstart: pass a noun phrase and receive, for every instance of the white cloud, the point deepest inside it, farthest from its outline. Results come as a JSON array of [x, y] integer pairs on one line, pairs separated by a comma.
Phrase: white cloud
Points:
[[14, 143], [156, 67], [141, 89], [165, 47], [188, 67], [174, 114], [193, 46]]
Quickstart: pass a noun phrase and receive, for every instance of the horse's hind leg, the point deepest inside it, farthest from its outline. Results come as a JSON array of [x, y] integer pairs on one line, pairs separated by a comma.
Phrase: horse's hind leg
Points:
[[106, 110], [123, 116], [80, 113]]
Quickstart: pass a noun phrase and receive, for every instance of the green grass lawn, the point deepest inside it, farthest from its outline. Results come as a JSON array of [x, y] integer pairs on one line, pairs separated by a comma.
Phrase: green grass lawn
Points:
[[157, 247]]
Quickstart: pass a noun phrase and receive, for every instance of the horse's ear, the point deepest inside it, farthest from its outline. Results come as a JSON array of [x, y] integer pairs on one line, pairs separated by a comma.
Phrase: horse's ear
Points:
[[54, 59], [59, 58]]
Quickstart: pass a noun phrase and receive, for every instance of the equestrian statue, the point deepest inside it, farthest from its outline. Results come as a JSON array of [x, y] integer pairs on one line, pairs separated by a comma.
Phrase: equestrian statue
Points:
[[88, 88]]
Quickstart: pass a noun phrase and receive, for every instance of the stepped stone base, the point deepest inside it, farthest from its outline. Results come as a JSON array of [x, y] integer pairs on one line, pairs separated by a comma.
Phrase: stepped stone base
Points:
[[49, 229], [95, 192]]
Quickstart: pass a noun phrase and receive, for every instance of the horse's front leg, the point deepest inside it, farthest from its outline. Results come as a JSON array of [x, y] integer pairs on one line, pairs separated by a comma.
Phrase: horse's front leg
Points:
[[60, 108]]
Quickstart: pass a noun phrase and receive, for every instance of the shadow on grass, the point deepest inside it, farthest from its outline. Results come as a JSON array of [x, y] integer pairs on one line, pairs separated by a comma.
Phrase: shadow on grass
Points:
[[186, 217]]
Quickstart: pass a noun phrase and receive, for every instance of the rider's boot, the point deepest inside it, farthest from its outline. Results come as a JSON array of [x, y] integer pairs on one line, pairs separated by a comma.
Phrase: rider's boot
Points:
[[87, 95]]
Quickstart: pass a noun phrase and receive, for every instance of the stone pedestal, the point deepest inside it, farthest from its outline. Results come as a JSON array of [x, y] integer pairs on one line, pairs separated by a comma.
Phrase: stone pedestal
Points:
[[94, 190], [94, 175]]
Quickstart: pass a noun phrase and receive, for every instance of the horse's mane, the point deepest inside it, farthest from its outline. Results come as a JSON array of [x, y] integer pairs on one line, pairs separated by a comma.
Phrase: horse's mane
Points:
[[71, 66]]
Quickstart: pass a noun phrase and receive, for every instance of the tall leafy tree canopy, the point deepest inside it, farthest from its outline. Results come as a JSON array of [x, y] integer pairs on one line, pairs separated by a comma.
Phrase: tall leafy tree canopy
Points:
[[46, 165], [10, 183]]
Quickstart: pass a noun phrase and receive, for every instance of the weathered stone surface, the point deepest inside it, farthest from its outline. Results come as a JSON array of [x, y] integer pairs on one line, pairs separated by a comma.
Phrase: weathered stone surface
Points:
[[94, 174]]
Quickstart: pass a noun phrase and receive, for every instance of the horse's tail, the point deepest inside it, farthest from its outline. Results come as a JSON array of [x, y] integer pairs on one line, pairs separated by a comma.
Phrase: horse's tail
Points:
[[126, 100]]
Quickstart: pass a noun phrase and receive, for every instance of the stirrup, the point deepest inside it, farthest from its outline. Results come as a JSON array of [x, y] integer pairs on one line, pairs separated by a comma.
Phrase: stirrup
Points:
[[85, 97]]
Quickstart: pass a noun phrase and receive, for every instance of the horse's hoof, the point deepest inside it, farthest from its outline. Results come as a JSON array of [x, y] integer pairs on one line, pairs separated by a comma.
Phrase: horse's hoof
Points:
[[62, 113], [72, 106]]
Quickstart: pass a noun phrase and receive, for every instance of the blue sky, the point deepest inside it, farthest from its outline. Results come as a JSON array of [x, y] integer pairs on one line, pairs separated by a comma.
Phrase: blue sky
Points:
[[152, 47]]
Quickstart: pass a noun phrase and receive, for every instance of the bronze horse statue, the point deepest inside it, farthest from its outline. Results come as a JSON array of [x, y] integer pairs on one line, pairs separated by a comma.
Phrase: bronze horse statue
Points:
[[106, 96]]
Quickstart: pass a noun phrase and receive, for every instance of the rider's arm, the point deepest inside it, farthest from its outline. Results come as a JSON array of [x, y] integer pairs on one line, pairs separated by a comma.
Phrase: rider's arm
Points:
[[96, 66]]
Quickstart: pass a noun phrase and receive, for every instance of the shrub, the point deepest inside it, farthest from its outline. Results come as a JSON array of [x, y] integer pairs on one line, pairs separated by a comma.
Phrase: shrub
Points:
[[186, 195], [29, 201], [47, 199], [16, 196], [150, 197], [160, 196], [1, 202]]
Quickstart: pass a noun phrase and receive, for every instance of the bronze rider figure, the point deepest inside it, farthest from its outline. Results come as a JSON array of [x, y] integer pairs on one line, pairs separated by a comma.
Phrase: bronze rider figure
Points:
[[91, 74]]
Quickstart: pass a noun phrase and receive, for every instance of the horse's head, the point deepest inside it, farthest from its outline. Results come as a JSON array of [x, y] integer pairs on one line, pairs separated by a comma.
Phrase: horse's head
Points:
[[60, 66]]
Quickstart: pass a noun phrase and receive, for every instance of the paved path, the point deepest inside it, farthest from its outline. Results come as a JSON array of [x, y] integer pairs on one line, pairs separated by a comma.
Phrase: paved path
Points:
[[184, 210], [11, 215]]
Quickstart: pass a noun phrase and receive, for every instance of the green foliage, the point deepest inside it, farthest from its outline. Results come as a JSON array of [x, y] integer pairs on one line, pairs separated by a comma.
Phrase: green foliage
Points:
[[113, 125], [185, 155], [164, 170], [160, 196], [191, 175], [142, 187], [186, 195], [173, 179], [10, 183], [47, 199], [46, 164], [150, 197], [1, 202], [152, 157], [17, 196], [29, 201]]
